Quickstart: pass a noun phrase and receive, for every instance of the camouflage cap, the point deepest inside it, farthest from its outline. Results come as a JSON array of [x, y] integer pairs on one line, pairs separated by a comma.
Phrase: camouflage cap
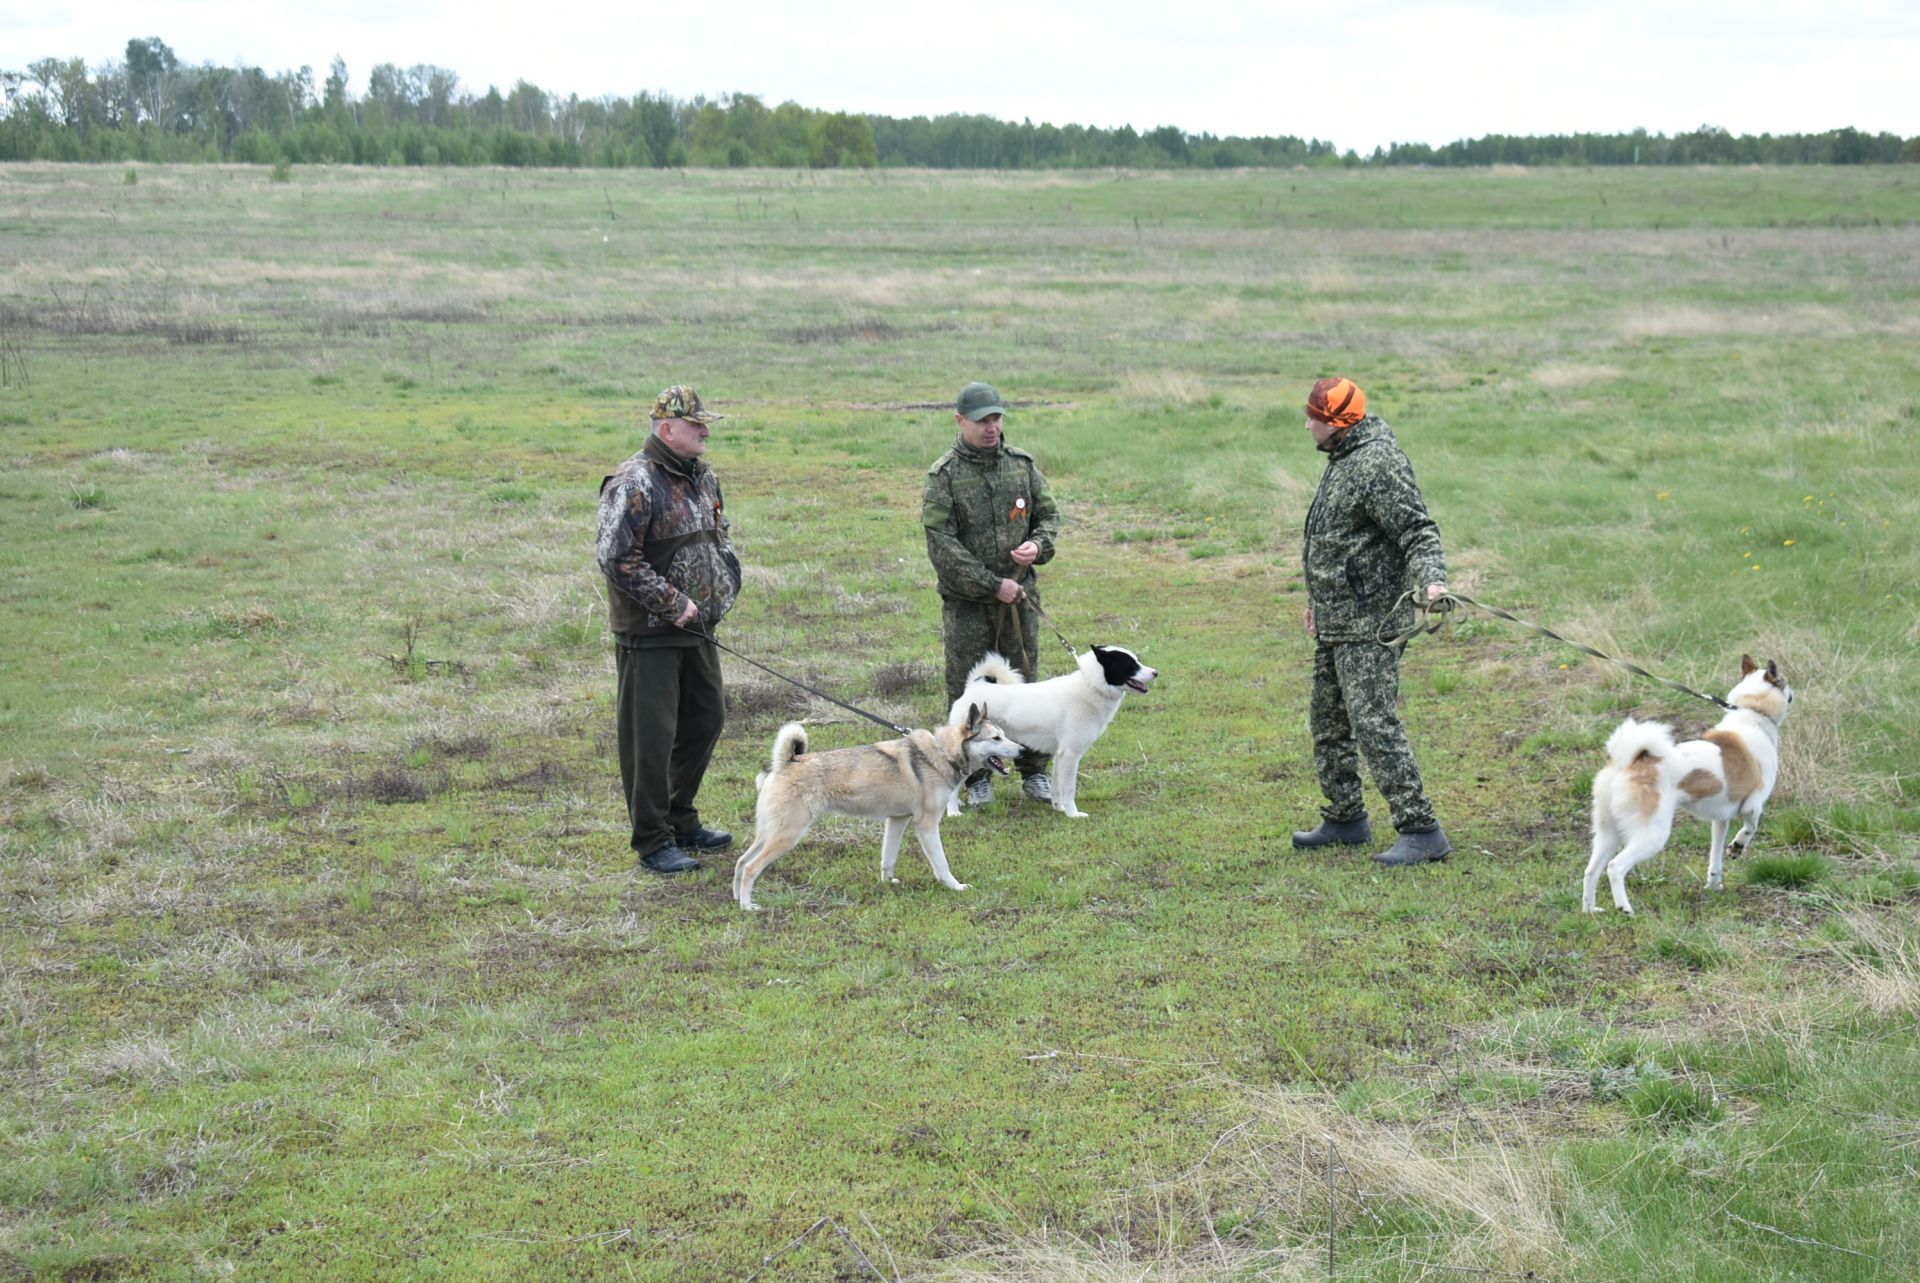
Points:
[[978, 400], [681, 402]]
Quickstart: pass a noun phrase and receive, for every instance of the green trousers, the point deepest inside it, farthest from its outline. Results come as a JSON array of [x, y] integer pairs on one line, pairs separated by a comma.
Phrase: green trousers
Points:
[[968, 630], [671, 708]]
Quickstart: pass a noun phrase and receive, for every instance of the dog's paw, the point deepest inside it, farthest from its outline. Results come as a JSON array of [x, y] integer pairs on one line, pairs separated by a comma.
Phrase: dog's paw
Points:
[[1591, 908], [1716, 884], [1074, 815], [888, 877], [961, 886]]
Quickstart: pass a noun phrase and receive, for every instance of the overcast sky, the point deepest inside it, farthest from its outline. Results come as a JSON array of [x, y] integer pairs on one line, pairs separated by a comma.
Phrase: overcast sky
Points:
[[1357, 72]]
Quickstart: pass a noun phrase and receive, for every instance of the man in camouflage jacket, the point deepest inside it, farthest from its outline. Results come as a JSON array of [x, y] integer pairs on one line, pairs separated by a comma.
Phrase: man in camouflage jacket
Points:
[[989, 519], [671, 576], [1369, 541]]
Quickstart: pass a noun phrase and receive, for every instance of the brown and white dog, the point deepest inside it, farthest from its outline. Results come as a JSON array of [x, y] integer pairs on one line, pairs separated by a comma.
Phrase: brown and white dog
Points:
[[903, 781], [1728, 773]]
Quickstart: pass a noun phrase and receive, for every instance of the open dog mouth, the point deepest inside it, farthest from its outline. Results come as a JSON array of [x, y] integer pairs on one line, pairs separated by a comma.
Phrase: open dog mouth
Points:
[[1134, 683], [998, 763]]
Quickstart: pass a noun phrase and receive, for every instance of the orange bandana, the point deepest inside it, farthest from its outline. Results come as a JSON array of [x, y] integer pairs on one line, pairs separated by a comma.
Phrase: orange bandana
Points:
[[1337, 401]]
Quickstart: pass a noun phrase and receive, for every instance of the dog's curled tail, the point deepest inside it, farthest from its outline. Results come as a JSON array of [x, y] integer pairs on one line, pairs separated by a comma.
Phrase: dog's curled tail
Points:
[[995, 668], [790, 743], [1631, 740]]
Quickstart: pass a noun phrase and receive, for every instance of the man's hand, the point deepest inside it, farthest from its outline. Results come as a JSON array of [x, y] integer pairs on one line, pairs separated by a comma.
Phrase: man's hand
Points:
[[1436, 591], [1310, 621], [1026, 554], [1008, 591], [691, 615]]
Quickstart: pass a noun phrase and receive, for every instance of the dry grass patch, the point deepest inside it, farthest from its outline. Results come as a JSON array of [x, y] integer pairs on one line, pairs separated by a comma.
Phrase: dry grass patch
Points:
[[1558, 376], [1173, 389], [1486, 1196], [145, 1059], [1884, 959], [1806, 321], [1838, 690]]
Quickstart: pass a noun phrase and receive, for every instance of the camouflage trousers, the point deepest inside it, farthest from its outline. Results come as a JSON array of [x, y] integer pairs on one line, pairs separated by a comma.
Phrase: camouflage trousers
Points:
[[970, 629], [1355, 687]]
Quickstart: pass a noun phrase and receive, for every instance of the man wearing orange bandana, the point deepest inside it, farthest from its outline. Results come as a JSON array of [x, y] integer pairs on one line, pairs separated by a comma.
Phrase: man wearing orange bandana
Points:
[[1369, 540]]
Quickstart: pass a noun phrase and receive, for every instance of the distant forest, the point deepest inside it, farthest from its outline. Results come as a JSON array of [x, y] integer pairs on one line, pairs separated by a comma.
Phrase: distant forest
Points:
[[153, 107]]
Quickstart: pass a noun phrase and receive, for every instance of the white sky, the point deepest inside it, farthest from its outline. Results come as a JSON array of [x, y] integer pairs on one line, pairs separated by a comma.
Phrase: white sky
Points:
[[1357, 72]]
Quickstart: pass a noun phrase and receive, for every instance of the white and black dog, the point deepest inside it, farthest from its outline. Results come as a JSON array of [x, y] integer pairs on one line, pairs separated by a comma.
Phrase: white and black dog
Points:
[[1062, 715], [1726, 774]]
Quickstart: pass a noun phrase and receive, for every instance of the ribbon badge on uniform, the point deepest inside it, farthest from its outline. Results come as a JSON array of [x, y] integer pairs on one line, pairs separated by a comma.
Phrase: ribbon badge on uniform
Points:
[[1019, 509]]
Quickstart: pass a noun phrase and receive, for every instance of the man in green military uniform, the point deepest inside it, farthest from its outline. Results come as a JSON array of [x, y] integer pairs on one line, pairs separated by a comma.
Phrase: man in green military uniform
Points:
[[671, 578], [990, 519], [1369, 543]]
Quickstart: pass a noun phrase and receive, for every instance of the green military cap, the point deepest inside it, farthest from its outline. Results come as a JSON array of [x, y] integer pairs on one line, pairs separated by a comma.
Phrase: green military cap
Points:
[[978, 400], [681, 402]]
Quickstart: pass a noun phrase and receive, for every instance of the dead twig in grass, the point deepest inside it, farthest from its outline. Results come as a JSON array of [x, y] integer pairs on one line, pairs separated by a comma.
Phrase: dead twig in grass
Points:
[[1124, 1060], [1795, 1238], [808, 1233]]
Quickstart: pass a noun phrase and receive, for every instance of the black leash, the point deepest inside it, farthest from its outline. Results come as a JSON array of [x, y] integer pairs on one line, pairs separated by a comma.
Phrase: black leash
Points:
[[1029, 599], [795, 681], [1442, 606]]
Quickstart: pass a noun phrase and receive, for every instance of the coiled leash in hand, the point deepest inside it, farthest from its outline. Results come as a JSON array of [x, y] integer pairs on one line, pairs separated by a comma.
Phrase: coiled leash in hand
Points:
[[707, 636], [1443, 605]]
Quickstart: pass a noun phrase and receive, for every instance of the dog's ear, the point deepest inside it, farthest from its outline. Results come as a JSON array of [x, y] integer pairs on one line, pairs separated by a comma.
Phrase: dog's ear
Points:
[[1747, 665], [976, 714], [1773, 672]]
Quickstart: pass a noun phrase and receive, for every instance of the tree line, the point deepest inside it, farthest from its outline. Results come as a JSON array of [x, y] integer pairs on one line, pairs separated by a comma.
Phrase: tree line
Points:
[[151, 106]]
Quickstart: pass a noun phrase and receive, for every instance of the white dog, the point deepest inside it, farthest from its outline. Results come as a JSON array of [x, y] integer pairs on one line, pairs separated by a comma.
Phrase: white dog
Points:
[[1062, 715], [1727, 773]]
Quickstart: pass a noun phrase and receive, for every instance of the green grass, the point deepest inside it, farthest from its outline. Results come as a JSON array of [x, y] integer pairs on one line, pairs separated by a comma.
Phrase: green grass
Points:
[[1788, 871], [323, 952]]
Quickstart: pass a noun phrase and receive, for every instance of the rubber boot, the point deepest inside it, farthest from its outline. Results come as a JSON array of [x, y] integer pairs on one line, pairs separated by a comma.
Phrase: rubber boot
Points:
[[1336, 833], [1416, 848]]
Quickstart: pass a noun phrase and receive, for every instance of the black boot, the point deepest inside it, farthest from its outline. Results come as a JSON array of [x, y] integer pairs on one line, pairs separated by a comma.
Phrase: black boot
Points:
[[706, 839], [1336, 833], [1416, 848], [669, 859]]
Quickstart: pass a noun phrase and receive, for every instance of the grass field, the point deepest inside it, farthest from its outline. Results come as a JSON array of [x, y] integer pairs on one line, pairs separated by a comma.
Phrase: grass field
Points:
[[322, 951]]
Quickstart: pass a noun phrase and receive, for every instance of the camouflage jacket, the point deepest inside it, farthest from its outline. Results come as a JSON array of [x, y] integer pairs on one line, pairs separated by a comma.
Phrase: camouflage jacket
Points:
[[1368, 539], [663, 540], [980, 505]]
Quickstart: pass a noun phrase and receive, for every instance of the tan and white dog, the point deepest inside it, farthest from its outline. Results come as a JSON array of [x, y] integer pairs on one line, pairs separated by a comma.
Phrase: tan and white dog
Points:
[[1726, 774], [902, 781]]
